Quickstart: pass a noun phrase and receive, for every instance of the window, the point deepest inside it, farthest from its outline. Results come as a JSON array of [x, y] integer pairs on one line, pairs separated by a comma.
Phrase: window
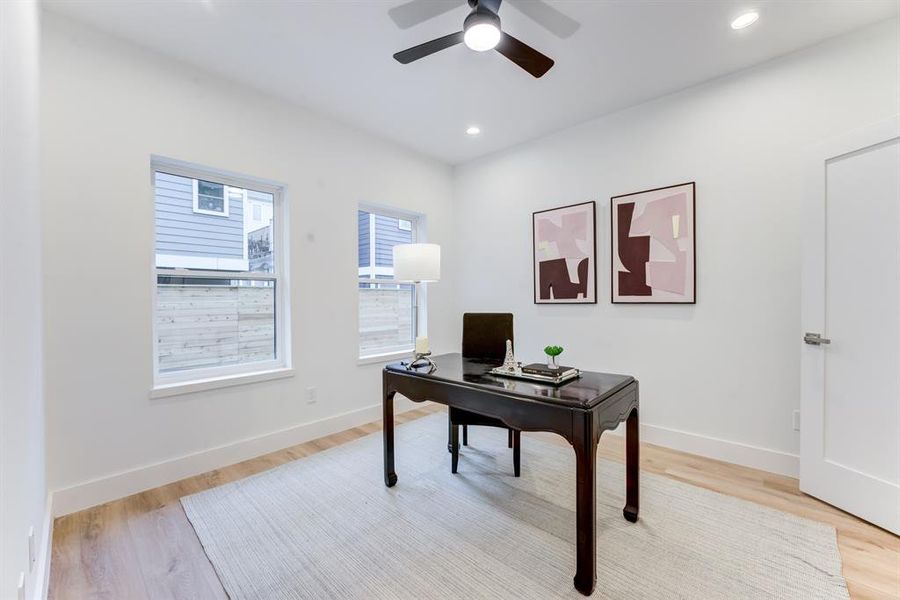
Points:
[[212, 198], [386, 307], [220, 291]]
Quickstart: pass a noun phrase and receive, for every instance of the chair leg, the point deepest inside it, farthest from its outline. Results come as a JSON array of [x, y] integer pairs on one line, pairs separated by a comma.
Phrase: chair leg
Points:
[[465, 435], [509, 438], [454, 443], [517, 452]]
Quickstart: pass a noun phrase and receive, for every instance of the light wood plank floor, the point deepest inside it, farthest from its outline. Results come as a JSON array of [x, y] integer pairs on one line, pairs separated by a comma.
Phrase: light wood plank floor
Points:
[[143, 547]]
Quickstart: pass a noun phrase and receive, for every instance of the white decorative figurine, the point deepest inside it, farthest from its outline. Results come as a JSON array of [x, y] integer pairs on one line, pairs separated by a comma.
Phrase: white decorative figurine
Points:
[[509, 363]]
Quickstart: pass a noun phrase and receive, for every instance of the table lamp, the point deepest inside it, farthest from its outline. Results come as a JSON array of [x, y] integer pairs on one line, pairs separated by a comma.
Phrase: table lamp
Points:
[[418, 264]]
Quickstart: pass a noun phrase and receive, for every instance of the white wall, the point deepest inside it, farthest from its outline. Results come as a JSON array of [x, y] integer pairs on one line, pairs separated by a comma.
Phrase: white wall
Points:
[[107, 106], [23, 491], [728, 367]]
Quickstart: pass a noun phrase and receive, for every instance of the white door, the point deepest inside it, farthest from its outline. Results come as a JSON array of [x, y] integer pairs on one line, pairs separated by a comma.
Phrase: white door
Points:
[[850, 406]]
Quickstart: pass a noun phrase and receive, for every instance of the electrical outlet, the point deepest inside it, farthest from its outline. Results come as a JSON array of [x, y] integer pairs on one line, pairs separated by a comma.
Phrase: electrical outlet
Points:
[[311, 395], [31, 553], [20, 590], [796, 420]]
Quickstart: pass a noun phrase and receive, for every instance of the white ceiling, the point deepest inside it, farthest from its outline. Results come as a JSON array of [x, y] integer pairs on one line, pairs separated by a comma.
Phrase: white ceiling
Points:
[[335, 56]]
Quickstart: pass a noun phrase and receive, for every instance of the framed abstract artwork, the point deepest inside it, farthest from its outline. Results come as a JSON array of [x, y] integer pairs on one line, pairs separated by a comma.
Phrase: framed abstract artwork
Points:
[[654, 246], [565, 254]]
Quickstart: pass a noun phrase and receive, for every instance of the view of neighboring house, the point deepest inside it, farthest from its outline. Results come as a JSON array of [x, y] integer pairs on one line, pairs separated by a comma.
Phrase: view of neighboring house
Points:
[[259, 250], [258, 216], [376, 259], [211, 226]]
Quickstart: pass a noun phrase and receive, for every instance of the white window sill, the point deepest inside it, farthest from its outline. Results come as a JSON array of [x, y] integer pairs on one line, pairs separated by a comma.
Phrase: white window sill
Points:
[[164, 390], [374, 359]]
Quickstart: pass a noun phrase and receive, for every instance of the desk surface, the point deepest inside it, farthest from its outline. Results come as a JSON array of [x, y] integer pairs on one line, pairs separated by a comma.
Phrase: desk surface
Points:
[[587, 391]]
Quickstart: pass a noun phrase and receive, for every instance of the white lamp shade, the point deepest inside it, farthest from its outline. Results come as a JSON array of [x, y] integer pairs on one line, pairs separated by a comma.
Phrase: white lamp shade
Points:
[[417, 262]]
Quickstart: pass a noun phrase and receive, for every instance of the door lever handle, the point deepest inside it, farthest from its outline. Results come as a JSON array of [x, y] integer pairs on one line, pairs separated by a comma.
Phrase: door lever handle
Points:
[[815, 339]]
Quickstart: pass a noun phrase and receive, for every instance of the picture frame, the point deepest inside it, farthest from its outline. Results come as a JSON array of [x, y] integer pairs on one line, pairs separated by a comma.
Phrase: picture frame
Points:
[[655, 260], [564, 252]]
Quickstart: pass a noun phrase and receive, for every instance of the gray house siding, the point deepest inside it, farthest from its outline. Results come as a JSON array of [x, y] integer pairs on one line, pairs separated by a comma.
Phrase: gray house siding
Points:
[[387, 235], [181, 231], [363, 224]]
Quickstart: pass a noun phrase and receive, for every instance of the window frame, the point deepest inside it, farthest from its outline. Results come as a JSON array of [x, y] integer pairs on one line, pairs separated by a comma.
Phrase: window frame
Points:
[[417, 229], [226, 198], [188, 380]]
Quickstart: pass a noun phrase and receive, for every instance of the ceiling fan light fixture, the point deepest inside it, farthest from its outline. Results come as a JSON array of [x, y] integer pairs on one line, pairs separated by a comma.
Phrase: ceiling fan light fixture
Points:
[[482, 30], [482, 37]]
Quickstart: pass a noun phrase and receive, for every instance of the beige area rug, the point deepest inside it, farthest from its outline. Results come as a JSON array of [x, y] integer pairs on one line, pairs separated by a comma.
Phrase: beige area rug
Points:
[[327, 527]]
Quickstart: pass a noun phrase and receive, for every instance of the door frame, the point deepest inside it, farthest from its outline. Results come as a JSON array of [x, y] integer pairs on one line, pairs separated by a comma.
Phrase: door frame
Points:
[[868, 497]]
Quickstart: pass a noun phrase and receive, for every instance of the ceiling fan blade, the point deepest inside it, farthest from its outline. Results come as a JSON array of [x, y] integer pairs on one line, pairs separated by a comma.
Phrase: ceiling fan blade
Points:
[[524, 55], [423, 50], [418, 11], [491, 5], [546, 16]]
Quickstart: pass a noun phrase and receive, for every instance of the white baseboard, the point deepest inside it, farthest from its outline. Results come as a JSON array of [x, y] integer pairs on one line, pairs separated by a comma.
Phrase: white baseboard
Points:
[[119, 485], [773, 461]]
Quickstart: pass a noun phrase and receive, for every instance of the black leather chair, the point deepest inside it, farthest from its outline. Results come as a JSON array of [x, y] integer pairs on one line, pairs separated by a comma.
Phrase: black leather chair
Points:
[[484, 337]]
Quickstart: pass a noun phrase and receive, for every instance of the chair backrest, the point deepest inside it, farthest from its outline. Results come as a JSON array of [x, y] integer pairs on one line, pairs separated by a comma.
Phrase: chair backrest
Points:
[[485, 335]]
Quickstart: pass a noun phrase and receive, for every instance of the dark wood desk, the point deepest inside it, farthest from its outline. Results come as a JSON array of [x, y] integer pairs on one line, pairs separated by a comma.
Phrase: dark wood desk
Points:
[[579, 411]]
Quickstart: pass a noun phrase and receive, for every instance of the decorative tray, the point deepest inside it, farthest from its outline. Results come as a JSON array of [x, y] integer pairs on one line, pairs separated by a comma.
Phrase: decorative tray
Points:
[[518, 374]]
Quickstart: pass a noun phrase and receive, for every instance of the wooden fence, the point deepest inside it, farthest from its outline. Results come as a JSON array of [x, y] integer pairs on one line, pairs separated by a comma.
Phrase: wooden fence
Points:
[[215, 325], [385, 318]]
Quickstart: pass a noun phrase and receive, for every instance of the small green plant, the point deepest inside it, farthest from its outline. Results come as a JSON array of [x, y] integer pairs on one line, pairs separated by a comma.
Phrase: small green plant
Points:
[[553, 351]]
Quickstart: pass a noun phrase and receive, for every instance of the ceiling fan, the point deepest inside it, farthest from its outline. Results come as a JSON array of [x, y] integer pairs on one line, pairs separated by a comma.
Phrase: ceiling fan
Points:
[[481, 30]]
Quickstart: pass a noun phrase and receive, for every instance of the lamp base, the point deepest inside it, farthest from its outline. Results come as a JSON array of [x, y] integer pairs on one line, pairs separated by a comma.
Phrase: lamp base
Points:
[[419, 361]]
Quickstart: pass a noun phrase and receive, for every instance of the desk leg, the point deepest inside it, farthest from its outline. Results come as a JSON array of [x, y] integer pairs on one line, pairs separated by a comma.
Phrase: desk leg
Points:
[[517, 452], [454, 443], [585, 443], [632, 466], [390, 477]]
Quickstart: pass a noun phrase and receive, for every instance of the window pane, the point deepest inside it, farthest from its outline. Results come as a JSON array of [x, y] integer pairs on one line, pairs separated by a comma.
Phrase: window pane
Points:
[[211, 203], [241, 241], [204, 322], [387, 235], [208, 188], [365, 261], [258, 226], [378, 234], [385, 317]]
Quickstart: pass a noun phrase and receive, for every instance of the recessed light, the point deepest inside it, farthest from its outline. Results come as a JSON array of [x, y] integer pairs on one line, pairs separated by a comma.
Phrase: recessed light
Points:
[[473, 130], [745, 20]]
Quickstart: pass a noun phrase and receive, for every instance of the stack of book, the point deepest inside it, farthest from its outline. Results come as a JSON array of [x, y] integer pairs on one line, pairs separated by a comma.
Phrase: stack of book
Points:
[[540, 372], [556, 375]]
